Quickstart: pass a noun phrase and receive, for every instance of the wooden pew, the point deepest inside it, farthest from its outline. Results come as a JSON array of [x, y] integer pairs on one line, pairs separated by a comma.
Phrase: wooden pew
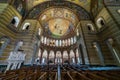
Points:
[[103, 74], [21, 76], [31, 76], [10, 76], [93, 76]]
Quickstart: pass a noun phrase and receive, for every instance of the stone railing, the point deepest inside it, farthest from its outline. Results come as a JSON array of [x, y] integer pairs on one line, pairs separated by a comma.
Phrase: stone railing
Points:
[[15, 59]]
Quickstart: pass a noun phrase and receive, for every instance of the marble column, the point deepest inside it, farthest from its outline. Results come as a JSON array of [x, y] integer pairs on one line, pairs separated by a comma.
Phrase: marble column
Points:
[[8, 66], [14, 65], [19, 65]]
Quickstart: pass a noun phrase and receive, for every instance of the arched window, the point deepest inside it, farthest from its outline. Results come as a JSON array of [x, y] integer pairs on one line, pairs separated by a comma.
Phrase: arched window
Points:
[[45, 40], [69, 42], [43, 60], [58, 57], [65, 57], [78, 56], [114, 49], [77, 32], [75, 39], [44, 57], [60, 43], [39, 31], [26, 26], [39, 53], [100, 22], [15, 21], [72, 57], [42, 39], [90, 27], [44, 17], [51, 56], [97, 47], [19, 45], [37, 60], [66, 42], [72, 40], [3, 43], [57, 43], [48, 41]]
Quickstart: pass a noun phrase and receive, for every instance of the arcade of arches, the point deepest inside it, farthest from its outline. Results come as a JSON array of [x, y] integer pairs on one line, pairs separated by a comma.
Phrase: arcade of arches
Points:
[[59, 32]]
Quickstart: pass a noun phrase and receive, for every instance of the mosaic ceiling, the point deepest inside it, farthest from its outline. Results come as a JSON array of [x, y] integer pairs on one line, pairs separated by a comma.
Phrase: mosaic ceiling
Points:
[[58, 21], [60, 17], [83, 3]]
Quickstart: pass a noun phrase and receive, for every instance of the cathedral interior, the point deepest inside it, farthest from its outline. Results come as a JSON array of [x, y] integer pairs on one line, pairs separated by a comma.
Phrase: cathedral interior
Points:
[[59, 39]]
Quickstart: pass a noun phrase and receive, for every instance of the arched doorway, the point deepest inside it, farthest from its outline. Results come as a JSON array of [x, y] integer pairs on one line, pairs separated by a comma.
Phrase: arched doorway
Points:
[[58, 59]]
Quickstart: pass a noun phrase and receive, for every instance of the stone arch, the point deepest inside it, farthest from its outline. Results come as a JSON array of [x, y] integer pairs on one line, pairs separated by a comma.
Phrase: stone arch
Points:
[[26, 26], [65, 57], [97, 47], [72, 57], [58, 57], [51, 56], [15, 21], [58, 54], [78, 56], [90, 27], [114, 49], [44, 57], [18, 45], [100, 22]]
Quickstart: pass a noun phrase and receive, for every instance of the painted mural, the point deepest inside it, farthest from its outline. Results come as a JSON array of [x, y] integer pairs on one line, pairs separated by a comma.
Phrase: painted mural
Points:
[[58, 21]]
